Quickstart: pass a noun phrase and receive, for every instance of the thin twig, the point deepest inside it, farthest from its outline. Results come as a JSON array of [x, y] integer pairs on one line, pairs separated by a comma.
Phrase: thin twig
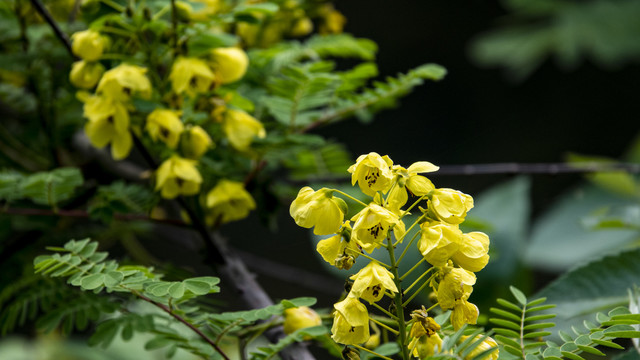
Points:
[[85, 214], [54, 26], [185, 322]]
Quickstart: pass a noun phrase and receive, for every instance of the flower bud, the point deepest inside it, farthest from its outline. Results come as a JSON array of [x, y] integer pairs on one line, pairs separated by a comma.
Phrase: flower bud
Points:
[[195, 142], [85, 75], [300, 318], [88, 44], [230, 64]]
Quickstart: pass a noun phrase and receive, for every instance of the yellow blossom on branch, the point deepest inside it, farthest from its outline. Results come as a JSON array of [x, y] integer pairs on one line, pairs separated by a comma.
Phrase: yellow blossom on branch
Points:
[[371, 226], [372, 172], [299, 318], [339, 250], [191, 76], [229, 64], [350, 322], [228, 201], [486, 344], [449, 205], [178, 176], [123, 81], [85, 75], [438, 242], [108, 124], [88, 44], [371, 282], [196, 141], [318, 209], [241, 128], [473, 252], [165, 125]]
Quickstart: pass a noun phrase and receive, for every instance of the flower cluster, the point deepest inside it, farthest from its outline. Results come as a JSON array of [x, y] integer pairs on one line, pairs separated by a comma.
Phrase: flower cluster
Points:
[[113, 117], [453, 255]]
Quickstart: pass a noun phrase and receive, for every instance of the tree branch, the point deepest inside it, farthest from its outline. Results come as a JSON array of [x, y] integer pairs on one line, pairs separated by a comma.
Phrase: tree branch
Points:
[[185, 322], [54, 26]]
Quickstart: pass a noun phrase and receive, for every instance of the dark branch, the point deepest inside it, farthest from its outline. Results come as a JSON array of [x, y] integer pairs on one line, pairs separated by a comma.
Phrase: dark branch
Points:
[[56, 29], [184, 321]]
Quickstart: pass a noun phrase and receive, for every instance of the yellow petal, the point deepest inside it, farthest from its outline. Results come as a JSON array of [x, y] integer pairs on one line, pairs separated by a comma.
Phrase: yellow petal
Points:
[[422, 167], [121, 145]]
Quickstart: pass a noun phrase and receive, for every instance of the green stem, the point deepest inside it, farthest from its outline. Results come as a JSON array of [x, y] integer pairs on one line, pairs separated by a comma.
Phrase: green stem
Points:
[[371, 351], [384, 311], [368, 257], [418, 280], [114, 5], [418, 291], [174, 28], [399, 240], [402, 336], [350, 197], [408, 245], [384, 326], [413, 268], [413, 205]]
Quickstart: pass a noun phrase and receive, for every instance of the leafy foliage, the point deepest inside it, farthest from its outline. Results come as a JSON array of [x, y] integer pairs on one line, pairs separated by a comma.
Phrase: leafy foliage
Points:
[[604, 31], [43, 188], [123, 198], [520, 331]]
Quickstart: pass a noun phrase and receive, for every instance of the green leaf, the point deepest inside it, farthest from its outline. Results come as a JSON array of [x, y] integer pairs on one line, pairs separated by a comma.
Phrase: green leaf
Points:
[[519, 295], [176, 290], [590, 350], [159, 289], [113, 278], [505, 314], [505, 323], [559, 239], [50, 188], [10, 188], [197, 287], [509, 305], [92, 281], [608, 343], [572, 356], [588, 288]]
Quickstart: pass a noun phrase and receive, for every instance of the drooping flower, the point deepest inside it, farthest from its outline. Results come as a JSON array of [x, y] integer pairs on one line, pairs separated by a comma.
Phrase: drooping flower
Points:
[[229, 201], [372, 172], [318, 209], [450, 205], [438, 242], [372, 281], [229, 64], [425, 341], [350, 322], [191, 76], [196, 141], [332, 20], [456, 284], [463, 312], [425, 346], [178, 176], [300, 318], [165, 125], [85, 75], [108, 124], [371, 226], [88, 44], [473, 252], [241, 128], [123, 81], [339, 250], [485, 345]]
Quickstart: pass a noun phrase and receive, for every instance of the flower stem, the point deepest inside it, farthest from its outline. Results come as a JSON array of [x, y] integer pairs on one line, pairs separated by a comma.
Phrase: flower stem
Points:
[[384, 326], [406, 232], [418, 291], [413, 268], [406, 248], [370, 351], [418, 280], [384, 311], [350, 197], [402, 330], [369, 257]]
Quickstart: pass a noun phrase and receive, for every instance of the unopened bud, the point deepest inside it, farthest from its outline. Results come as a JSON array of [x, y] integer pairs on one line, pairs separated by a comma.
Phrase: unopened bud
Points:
[[350, 354]]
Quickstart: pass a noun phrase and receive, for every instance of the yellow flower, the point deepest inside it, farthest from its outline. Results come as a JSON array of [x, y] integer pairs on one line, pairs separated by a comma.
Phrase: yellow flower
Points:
[[485, 345], [438, 242], [455, 285], [425, 346], [339, 250], [300, 318], [332, 20], [301, 27], [418, 184], [472, 254], [350, 322], [191, 76], [88, 44], [240, 128], [108, 124], [229, 201], [318, 209], [372, 173], [196, 142], [124, 80], [450, 205], [165, 125], [206, 10], [178, 176], [463, 312], [229, 64], [371, 282], [85, 75], [371, 226]]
